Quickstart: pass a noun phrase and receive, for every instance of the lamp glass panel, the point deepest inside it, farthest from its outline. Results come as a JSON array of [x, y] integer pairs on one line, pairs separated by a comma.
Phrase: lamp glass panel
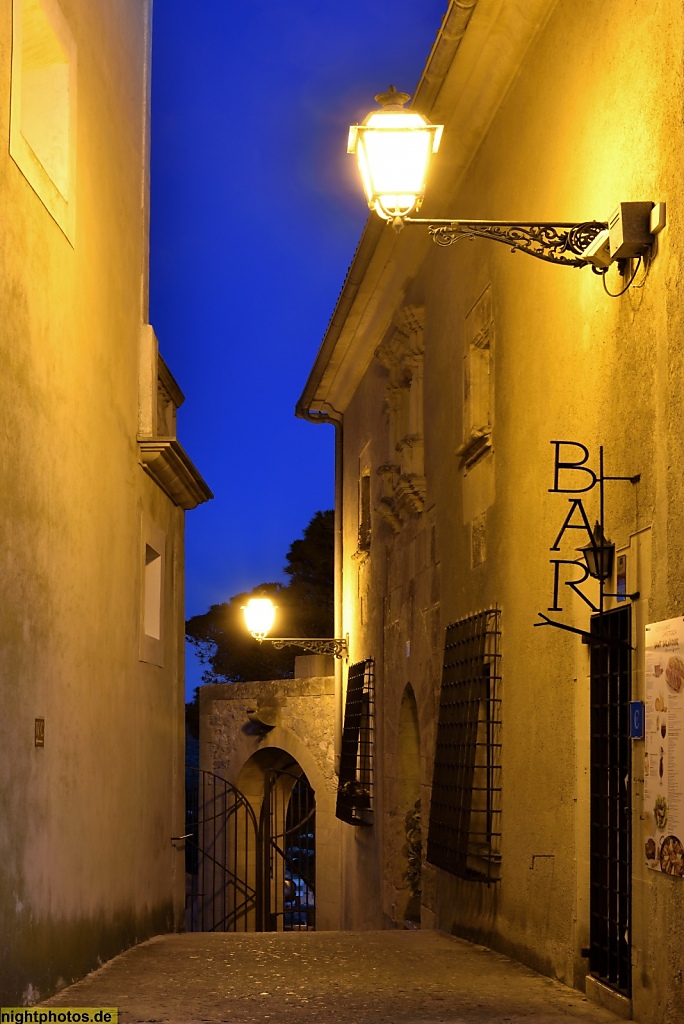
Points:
[[259, 615], [393, 150]]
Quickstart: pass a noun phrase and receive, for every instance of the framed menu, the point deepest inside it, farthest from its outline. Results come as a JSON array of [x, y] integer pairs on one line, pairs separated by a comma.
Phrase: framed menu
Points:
[[663, 814]]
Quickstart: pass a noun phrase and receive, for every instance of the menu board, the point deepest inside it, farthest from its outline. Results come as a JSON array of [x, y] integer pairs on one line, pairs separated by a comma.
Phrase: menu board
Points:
[[663, 815]]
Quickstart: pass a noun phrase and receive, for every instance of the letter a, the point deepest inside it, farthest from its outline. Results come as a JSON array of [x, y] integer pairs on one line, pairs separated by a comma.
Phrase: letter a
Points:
[[575, 503]]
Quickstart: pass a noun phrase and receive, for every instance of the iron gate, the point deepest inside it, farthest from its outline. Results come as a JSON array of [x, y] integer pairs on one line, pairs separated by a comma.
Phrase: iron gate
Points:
[[611, 802], [222, 856], [247, 871]]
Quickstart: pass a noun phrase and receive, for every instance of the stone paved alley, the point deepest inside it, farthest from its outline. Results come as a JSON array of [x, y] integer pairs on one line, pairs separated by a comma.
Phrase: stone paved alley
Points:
[[391, 977]]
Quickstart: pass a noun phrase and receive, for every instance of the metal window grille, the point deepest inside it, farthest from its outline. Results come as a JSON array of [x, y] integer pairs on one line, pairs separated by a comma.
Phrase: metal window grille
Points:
[[355, 788], [464, 831], [611, 805]]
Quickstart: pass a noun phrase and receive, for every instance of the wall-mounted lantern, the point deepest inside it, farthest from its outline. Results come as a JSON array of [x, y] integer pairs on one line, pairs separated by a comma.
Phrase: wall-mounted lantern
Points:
[[394, 149], [599, 554]]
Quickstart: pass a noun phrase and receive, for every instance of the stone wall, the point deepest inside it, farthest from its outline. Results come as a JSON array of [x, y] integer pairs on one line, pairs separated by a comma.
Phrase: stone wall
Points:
[[246, 728]]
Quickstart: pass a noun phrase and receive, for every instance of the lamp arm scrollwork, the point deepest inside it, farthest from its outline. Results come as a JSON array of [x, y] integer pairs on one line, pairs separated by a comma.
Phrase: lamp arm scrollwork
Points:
[[561, 243], [336, 646]]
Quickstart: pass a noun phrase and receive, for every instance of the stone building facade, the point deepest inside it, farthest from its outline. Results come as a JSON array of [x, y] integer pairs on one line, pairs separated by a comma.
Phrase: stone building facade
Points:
[[452, 375], [95, 488]]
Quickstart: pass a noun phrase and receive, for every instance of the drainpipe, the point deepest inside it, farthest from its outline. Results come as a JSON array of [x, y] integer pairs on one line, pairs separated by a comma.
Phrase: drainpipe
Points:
[[336, 419]]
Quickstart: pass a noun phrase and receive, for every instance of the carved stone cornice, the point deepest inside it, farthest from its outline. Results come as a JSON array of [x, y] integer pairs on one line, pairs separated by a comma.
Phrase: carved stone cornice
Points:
[[171, 469], [387, 511], [404, 340], [410, 319], [410, 441], [410, 493]]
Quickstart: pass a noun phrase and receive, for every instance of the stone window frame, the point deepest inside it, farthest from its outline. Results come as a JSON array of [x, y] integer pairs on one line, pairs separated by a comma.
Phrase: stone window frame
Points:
[[478, 381], [58, 197]]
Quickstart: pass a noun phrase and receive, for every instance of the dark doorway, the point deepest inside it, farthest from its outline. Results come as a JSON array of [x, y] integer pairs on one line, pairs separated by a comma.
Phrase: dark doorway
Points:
[[611, 801], [288, 825]]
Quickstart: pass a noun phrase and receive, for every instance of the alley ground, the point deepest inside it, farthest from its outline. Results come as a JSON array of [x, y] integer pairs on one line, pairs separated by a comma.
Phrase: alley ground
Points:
[[391, 977]]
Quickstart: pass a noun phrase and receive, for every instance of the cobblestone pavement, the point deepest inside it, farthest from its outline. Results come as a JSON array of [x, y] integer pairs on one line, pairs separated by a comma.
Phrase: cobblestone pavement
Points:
[[391, 977]]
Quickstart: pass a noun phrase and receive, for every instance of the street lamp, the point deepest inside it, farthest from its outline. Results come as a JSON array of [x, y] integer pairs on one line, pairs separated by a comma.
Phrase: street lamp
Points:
[[259, 615], [394, 149]]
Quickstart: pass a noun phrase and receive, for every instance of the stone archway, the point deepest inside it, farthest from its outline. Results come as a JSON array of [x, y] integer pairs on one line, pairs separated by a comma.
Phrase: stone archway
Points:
[[284, 802]]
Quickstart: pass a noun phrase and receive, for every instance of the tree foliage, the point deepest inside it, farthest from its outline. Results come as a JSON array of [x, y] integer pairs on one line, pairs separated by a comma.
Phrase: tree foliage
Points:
[[305, 608]]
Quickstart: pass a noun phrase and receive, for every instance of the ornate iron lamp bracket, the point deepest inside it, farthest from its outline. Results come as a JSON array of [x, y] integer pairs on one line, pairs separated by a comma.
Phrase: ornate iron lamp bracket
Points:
[[554, 243], [316, 645]]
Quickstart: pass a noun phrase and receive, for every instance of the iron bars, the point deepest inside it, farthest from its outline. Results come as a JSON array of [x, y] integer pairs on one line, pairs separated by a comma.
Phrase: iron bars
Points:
[[610, 898], [355, 787], [464, 830]]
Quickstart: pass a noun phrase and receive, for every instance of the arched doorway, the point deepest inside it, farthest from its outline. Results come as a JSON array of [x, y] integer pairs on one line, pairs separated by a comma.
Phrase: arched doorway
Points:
[[284, 802]]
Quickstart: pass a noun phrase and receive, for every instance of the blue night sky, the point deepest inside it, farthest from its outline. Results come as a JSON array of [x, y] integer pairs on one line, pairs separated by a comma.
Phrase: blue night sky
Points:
[[256, 213]]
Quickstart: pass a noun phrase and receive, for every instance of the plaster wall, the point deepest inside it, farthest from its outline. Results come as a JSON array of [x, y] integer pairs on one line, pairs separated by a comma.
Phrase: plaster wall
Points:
[[568, 362], [85, 821], [235, 747], [592, 117]]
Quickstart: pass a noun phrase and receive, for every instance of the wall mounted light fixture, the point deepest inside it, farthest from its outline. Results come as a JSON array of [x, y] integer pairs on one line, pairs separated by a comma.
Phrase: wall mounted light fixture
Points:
[[394, 148], [259, 615], [599, 554]]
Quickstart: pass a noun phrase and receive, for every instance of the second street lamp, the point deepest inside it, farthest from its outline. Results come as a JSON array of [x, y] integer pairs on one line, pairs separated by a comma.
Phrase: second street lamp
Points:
[[259, 615]]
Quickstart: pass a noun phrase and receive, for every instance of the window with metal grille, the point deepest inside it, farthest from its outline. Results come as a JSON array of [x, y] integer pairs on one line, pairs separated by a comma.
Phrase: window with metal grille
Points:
[[355, 788], [610, 901], [464, 830]]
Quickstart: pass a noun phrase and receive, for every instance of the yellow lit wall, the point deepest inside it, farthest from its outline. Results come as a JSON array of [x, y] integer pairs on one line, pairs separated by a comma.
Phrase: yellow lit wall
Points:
[[87, 866]]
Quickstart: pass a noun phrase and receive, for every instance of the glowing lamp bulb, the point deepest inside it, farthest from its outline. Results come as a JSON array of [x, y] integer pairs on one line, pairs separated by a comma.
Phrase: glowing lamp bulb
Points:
[[394, 148], [259, 616]]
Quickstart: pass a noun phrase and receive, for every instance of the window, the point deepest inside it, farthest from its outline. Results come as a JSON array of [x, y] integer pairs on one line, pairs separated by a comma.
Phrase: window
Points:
[[365, 512], [43, 105], [153, 594], [465, 830], [477, 381], [355, 787], [152, 597]]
